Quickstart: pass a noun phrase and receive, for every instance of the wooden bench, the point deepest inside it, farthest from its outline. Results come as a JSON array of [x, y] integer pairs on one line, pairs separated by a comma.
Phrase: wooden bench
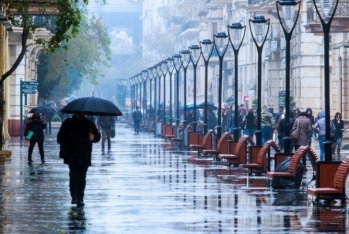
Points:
[[170, 132], [295, 159], [260, 165], [179, 139], [222, 146], [206, 142], [337, 190], [238, 154]]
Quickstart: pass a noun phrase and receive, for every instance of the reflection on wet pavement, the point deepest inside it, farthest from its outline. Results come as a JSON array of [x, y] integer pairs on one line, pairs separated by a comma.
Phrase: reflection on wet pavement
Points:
[[145, 186]]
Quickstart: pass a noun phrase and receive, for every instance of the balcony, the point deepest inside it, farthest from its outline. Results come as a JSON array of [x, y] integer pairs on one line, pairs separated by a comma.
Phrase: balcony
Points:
[[339, 23], [39, 7]]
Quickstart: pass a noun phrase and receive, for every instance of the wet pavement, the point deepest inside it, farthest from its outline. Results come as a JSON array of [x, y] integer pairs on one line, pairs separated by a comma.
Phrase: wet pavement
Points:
[[145, 186]]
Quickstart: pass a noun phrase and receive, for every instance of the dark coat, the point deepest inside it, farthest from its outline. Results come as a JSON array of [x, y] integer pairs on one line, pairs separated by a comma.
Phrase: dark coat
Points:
[[106, 122], [73, 137], [304, 127], [37, 125]]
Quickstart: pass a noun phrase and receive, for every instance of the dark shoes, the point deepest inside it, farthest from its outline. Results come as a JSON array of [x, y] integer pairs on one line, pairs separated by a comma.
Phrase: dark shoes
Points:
[[80, 202], [74, 200]]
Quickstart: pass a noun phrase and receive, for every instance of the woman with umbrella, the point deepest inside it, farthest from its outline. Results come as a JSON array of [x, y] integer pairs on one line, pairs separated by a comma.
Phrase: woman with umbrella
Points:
[[34, 132]]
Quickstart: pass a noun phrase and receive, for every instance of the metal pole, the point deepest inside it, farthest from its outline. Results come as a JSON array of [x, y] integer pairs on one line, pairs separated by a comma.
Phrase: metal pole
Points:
[[195, 120], [236, 120], [259, 101], [170, 119], [286, 139], [185, 96], [206, 90], [219, 127], [177, 99]]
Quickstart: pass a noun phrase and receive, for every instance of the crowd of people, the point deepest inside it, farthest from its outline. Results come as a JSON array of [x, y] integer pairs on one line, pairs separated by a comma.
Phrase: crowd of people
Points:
[[273, 125]]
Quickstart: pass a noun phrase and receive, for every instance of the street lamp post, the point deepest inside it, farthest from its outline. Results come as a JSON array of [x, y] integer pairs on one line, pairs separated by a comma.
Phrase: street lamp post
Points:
[[206, 51], [221, 45], [185, 63], [195, 57], [236, 35], [151, 78], [288, 17], [159, 73], [177, 65], [170, 67], [259, 33], [163, 68], [326, 11], [145, 77]]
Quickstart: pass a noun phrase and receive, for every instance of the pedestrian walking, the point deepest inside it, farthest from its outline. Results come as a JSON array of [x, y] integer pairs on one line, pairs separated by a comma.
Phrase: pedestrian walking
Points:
[[137, 116], [267, 124], [339, 128], [34, 132], [320, 127], [107, 125], [75, 137], [311, 118], [281, 128], [211, 119], [248, 124], [304, 127]]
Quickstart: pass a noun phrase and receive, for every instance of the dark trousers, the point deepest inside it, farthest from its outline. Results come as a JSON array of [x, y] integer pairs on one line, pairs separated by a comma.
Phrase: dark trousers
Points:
[[41, 149], [48, 128], [77, 182], [106, 135]]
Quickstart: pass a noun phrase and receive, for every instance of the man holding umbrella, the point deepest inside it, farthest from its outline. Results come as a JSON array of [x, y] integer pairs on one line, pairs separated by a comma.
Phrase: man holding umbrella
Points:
[[76, 136]]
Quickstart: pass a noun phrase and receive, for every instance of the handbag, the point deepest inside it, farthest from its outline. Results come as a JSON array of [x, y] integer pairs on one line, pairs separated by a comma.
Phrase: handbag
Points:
[[294, 136], [29, 135], [112, 131]]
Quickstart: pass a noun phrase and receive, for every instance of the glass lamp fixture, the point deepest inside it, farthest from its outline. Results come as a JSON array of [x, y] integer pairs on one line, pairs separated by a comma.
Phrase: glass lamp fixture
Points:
[[260, 29], [194, 53], [206, 48], [221, 43], [236, 34]]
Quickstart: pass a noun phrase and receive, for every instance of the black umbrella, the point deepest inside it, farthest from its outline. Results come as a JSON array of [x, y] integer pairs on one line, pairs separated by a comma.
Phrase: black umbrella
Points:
[[190, 106], [210, 105], [92, 106], [39, 109]]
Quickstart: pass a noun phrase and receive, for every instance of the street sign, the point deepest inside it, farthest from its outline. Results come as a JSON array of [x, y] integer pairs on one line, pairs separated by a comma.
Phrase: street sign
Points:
[[30, 83], [29, 91]]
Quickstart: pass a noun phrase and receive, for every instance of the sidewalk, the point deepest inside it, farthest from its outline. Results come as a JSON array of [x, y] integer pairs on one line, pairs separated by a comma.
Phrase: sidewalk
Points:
[[140, 187]]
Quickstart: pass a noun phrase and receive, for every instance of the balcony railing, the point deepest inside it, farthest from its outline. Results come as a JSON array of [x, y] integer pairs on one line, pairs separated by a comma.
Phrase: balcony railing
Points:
[[342, 11]]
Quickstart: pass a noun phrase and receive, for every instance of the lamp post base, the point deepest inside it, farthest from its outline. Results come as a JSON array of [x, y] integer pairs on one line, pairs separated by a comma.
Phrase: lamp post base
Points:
[[258, 134], [236, 133], [219, 131], [177, 122], [205, 128], [194, 125], [328, 151], [287, 144]]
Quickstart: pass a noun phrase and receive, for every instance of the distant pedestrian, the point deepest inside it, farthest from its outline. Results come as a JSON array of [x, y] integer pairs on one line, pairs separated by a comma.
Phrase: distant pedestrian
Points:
[[49, 113], [249, 123], [339, 126], [107, 124], [267, 124], [35, 127], [320, 127], [137, 116], [75, 137], [211, 119], [304, 127], [312, 121]]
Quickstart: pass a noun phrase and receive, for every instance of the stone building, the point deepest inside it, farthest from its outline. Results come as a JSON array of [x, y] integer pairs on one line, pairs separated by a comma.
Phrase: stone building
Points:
[[191, 21]]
